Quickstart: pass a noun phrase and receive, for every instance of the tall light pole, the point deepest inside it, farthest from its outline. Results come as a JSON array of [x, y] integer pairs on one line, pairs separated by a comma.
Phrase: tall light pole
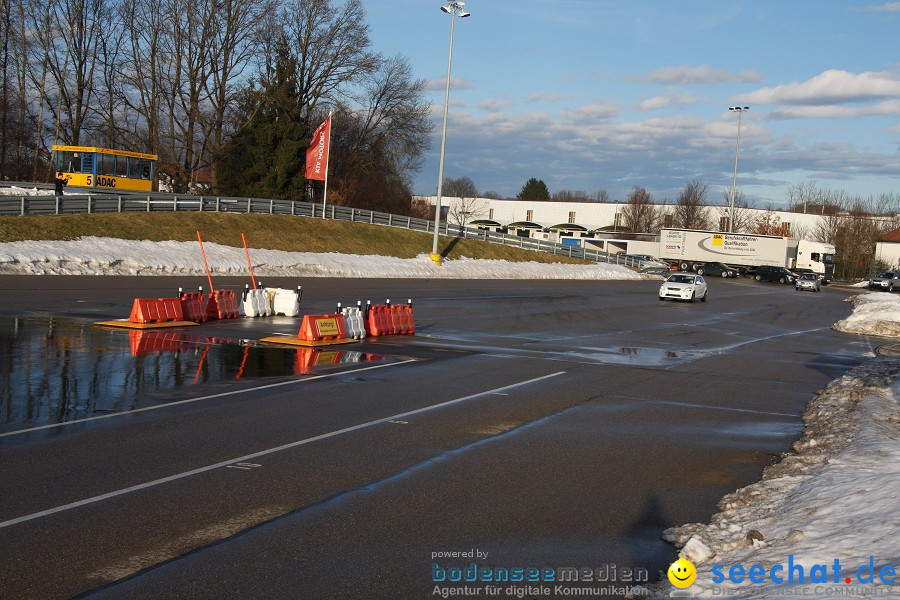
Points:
[[737, 147], [454, 8]]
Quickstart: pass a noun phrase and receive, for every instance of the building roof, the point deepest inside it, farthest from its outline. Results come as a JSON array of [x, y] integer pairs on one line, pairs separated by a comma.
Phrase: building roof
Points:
[[568, 227], [891, 236]]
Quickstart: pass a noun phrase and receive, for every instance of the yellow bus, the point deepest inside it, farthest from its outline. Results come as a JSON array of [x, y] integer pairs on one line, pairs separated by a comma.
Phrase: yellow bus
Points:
[[88, 166]]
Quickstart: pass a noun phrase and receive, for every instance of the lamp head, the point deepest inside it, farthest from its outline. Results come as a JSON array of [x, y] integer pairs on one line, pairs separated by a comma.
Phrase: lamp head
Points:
[[446, 9], [464, 14]]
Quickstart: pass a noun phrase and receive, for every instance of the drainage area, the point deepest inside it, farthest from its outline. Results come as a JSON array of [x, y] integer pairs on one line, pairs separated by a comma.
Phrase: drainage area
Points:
[[54, 370]]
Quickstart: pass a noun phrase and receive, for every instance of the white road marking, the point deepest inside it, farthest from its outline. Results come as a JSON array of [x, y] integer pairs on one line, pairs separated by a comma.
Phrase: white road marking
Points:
[[250, 457], [199, 398]]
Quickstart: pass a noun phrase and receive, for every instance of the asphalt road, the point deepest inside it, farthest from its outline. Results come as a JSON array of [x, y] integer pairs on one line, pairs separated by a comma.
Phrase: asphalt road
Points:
[[542, 423]]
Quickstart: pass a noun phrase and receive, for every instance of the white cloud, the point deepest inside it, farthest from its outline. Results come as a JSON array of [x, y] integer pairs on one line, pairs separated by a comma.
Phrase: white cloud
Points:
[[831, 87], [456, 83], [886, 7], [543, 97], [686, 74], [668, 100], [831, 111], [492, 105]]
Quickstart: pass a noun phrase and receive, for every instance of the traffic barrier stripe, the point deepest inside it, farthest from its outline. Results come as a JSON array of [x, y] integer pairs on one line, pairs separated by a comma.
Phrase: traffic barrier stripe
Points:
[[156, 310], [221, 305], [193, 305]]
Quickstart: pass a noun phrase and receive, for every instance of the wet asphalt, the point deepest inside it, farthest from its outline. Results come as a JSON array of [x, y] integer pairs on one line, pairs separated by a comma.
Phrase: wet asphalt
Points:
[[544, 423]]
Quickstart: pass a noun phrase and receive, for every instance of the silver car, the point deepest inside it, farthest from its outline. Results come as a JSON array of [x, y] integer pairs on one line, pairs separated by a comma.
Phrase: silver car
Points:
[[885, 281], [808, 281]]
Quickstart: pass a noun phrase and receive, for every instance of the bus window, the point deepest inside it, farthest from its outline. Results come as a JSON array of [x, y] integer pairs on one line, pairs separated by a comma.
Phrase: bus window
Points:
[[106, 164], [121, 166], [68, 162], [140, 168]]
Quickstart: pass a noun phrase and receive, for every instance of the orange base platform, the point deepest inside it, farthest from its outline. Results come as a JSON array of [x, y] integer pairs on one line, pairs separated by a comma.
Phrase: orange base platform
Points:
[[289, 341], [130, 325]]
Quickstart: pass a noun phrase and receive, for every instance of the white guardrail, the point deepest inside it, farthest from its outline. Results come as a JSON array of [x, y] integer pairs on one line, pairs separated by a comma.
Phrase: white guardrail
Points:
[[72, 204]]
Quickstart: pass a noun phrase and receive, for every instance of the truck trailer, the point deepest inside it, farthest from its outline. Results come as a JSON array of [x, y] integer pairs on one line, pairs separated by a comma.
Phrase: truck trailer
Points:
[[685, 249]]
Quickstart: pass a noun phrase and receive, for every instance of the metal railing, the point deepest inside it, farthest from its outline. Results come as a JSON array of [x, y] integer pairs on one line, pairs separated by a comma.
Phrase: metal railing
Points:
[[73, 204]]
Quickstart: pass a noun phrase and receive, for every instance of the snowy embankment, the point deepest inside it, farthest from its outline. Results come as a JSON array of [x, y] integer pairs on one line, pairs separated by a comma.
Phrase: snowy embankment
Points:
[[19, 191], [110, 256], [877, 313], [835, 497]]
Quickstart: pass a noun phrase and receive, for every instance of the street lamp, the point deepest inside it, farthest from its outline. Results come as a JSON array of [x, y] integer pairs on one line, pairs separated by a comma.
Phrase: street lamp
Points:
[[454, 8], [740, 111]]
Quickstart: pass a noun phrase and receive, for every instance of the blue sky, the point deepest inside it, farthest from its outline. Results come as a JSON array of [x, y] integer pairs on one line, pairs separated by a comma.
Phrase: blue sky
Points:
[[596, 94]]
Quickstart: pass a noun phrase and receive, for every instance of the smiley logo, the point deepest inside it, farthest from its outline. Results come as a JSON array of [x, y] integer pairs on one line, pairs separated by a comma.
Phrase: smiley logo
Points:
[[682, 573]]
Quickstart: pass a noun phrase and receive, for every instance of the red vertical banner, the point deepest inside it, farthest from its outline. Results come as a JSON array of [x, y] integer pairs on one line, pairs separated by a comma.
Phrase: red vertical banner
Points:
[[317, 153]]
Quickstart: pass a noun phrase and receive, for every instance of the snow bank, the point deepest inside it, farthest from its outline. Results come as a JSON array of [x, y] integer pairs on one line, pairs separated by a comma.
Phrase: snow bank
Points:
[[877, 313], [110, 256], [20, 191], [834, 497]]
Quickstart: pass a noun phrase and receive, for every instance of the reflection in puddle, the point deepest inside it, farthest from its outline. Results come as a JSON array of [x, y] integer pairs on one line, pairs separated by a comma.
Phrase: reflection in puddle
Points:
[[631, 355], [55, 370]]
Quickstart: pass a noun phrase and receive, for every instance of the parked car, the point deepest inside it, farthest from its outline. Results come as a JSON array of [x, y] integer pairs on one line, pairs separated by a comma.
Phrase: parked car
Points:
[[779, 274], [885, 281], [655, 270], [808, 281], [716, 268], [684, 286]]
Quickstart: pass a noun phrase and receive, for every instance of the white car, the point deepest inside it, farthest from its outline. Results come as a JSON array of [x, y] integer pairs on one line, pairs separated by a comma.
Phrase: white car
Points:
[[684, 286]]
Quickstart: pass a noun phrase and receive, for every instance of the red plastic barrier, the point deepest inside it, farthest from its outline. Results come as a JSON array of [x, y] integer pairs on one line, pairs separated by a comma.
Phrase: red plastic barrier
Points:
[[316, 328], [394, 314], [156, 310], [407, 322], [193, 305], [376, 324], [310, 358], [147, 342], [222, 305]]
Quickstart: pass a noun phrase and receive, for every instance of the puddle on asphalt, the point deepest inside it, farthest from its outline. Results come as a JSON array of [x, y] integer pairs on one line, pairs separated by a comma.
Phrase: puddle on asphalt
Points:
[[631, 355], [54, 370]]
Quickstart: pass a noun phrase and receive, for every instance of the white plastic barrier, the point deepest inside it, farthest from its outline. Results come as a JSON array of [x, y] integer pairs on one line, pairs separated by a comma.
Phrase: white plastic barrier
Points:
[[285, 302], [353, 320], [255, 303]]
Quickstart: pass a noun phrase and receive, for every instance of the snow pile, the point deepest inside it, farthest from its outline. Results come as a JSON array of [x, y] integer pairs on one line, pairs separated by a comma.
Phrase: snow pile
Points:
[[873, 314], [111, 256], [834, 497], [20, 191]]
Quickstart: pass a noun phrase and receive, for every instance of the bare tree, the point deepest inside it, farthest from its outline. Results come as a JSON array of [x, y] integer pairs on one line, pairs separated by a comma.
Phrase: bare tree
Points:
[[602, 195], [331, 44], [744, 218], [768, 223], [690, 210], [854, 228], [571, 196], [466, 209], [463, 187], [639, 214], [491, 194]]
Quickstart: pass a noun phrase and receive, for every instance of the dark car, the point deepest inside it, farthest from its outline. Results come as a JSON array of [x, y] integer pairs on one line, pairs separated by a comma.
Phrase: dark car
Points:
[[717, 269], [779, 274]]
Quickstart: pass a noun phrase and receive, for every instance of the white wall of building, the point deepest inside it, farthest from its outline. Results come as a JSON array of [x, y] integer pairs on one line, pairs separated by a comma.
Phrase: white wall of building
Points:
[[594, 215], [888, 252]]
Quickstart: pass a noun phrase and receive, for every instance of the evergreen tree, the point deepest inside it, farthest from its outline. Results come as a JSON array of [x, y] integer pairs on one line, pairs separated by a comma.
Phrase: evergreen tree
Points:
[[534, 189], [267, 157]]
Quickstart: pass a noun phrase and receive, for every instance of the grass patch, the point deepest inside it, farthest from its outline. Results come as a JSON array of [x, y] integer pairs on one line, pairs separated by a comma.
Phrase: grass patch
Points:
[[272, 232]]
